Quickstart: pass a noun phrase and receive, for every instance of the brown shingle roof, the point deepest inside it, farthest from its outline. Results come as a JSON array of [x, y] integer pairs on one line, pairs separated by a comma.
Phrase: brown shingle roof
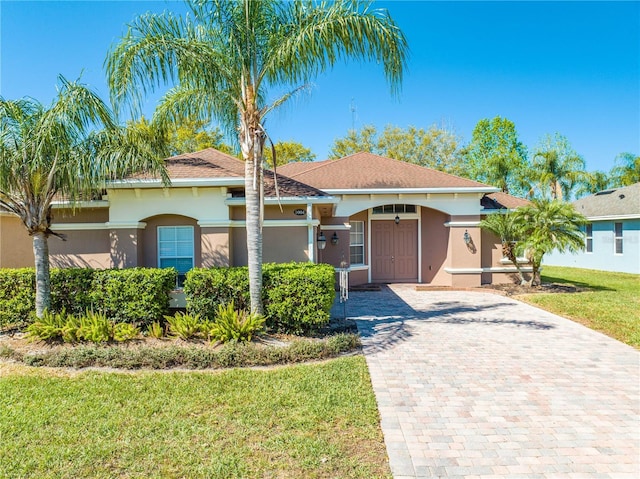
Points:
[[368, 171], [612, 202], [209, 163], [500, 200]]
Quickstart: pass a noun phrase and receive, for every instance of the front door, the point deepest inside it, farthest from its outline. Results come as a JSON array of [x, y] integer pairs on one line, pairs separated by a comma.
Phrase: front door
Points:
[[394, 251]]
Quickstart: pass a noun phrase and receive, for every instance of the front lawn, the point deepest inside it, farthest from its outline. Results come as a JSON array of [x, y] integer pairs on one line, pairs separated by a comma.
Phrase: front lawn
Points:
[[312, 421], [610, 304]]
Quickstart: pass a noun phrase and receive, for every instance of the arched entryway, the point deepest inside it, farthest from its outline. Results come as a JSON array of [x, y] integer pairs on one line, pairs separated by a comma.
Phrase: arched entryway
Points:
[[394, 250]]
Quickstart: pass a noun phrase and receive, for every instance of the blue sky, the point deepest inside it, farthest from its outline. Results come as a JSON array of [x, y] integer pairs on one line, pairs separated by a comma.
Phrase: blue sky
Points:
[[567, 67]]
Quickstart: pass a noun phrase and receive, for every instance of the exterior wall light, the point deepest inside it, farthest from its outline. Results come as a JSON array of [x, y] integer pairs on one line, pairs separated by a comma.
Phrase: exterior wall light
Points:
[[322, 241], [334, 238], [397, 220], [466, 237]]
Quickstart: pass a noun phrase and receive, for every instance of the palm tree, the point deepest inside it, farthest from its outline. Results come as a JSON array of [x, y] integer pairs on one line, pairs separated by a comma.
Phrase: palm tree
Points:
[[225, 56], [506, 227], [626, 171], [546, 226], [558, 167], [57, 152], [592, 182]]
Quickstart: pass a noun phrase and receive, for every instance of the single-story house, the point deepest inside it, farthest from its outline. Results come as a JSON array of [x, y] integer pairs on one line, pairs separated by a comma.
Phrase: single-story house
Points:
[[612, 236], [387, 220]]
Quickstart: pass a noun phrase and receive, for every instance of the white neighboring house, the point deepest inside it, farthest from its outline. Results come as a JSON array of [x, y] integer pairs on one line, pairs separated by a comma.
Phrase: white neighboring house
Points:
[[612, 240]]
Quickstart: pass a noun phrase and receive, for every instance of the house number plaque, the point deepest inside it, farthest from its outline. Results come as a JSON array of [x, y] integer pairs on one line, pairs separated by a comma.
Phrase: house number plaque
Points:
[[299, 212]]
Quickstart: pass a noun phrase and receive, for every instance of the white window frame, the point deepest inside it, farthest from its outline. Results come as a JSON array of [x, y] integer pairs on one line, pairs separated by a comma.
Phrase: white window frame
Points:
[[353, 232], [191, 257], [616, 238], [588, 238]]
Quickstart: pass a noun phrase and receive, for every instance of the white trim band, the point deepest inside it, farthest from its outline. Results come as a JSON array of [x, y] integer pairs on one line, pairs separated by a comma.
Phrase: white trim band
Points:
[[462, 224]]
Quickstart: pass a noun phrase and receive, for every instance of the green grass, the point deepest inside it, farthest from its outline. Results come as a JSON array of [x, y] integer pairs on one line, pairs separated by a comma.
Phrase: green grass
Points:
[[312, 421], [610, 305]]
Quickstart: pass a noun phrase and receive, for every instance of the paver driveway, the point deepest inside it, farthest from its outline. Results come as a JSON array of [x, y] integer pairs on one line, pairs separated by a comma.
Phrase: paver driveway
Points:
[[478, 385]]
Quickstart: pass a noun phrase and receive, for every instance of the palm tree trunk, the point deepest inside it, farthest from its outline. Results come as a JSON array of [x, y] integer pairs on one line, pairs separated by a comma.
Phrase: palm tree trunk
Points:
[[509, 251], [254, 234], [43, 278]]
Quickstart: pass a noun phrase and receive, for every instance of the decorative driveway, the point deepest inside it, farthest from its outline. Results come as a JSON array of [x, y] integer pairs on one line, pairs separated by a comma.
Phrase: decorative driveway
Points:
[[473, 384]]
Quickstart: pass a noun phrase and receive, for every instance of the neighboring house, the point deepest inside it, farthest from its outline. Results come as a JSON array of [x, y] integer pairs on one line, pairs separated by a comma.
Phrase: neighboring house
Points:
[[388, 220], [612, 239]]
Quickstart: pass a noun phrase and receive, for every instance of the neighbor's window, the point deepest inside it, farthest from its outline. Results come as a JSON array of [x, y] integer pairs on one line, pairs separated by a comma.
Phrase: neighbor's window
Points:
[[589, 238], [175, 249], [356, 242], [618, 237]]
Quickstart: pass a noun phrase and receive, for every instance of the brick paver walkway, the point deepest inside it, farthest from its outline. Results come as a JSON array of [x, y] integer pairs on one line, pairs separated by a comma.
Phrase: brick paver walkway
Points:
[[478, 385]]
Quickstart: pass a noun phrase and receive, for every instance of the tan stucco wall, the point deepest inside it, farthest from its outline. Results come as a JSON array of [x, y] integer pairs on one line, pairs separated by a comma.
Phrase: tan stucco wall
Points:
[[239, 247], [462, 255], [16, 246], [82, 249], [80, 215], [335, 254], [215, 247], [125, 247], [435, 241], [149, 238], [284, 244]]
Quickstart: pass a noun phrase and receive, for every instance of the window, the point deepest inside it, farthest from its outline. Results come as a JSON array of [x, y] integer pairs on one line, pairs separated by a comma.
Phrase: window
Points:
[[394, 209], [589, 238], [617, 236], [175, 249], [356, 242]]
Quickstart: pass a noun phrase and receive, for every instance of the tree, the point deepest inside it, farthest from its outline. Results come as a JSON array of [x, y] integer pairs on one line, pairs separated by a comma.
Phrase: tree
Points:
[[288, 152], [545, 226], [626, 170], [192, 135], [556, 167], [506, 227], [592, 182], [435, 147], [57, 152], [226, 56], [496, 156]]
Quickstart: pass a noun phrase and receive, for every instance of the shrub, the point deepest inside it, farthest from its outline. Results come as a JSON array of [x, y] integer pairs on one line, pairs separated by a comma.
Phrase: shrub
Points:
[[234, 325], [208, 288], [155, 330], [185, 326], [125, 332], [71, 289], [134, 295], [95, 327], [47, 328], [298, 296], [17, 296]]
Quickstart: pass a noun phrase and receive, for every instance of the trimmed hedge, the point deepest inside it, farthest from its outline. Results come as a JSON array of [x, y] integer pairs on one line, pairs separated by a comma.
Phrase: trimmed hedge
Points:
[[133, 295], [136, 295], [17, 296], [297, 296]]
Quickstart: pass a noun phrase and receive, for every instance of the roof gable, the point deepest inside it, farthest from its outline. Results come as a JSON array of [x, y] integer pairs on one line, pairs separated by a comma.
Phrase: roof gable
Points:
[[368, 171]]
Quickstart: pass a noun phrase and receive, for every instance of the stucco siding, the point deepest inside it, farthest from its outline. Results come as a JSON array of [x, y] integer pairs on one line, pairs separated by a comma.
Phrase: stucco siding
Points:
[[435, 240], [16, 246], [603, 256], [82, 249], [149, 238]]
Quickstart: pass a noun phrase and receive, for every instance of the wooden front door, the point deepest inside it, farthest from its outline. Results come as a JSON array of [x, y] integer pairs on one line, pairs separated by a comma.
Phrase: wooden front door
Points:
[[394, 251]]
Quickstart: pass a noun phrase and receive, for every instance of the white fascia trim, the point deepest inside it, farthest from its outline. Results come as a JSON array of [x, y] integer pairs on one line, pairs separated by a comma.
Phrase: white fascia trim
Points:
[[611, 218], [462, 224], [358, 267], [493, 269], [81, 204], [520, 260], [512, 269], [266, 223], [464, 270], [79, 226], [407, 191], [126, 225], [177, 183], [291, 200], [342, 227]]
